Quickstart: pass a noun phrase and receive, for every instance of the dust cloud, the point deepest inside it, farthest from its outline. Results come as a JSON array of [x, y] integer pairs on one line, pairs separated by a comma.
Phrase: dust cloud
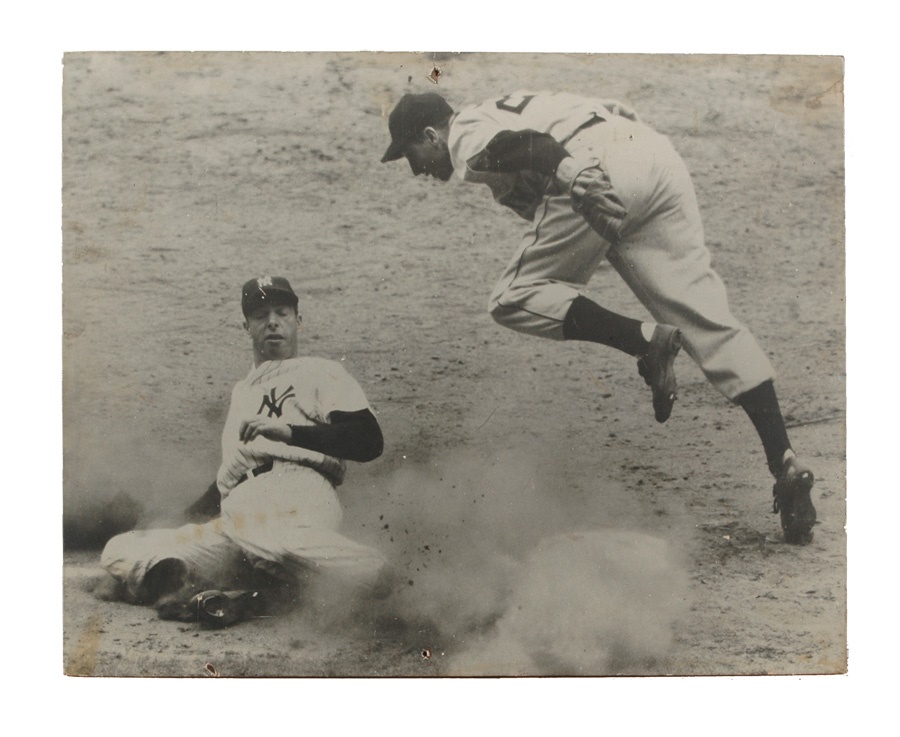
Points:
[[517, 573], [117, 482], [504, 565], [595, 603]]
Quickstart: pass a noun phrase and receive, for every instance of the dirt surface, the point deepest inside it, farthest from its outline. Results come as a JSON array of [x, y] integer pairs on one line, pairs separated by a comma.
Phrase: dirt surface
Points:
[[544, 523]]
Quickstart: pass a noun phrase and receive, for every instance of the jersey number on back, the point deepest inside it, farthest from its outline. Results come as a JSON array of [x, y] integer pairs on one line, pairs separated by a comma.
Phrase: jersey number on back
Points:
[[514, 104]]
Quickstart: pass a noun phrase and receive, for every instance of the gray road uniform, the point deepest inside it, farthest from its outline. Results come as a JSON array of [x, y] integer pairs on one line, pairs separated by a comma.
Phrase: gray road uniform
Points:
[[660, 250]]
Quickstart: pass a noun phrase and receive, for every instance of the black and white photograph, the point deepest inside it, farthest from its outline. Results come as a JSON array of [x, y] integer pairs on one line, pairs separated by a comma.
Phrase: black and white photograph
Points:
[[453, 364]]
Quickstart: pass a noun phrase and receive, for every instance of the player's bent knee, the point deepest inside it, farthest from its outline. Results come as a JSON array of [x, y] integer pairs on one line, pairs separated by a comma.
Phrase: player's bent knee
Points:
[[524, 321], [116, 549], [505, 311], [499, 313], [510, 318]]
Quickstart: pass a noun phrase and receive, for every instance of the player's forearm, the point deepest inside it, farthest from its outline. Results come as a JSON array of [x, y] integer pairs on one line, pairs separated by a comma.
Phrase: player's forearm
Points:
[[566, 172], [352, 436]]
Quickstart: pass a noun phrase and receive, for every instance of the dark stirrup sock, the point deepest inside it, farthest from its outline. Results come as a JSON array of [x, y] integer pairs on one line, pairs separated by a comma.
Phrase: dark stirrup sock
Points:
[[586, 320], [761, 406]]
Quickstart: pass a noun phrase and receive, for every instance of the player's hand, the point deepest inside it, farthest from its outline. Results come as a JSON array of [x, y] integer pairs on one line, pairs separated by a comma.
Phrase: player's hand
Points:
[[265, 427], [620, 108]]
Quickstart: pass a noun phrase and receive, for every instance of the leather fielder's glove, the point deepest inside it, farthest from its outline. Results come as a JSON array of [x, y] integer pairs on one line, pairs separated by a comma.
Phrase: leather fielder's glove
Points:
[[593, 197]]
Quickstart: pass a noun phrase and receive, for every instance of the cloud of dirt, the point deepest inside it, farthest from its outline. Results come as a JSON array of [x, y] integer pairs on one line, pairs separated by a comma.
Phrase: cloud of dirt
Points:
[[116, 482], [498, 560], [595, 603], [519, 573]]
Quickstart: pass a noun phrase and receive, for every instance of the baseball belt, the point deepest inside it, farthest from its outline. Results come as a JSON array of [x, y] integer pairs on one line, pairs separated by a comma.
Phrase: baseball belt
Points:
[[258, 471], [586, 124]]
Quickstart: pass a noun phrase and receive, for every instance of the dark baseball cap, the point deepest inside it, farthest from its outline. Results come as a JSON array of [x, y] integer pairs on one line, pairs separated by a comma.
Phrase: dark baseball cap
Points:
[[263, 290], [410, 116]]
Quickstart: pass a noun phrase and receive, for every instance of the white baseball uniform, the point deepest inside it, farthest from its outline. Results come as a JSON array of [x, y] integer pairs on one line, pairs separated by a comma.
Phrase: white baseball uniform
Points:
[[661, 254], [287, 517]]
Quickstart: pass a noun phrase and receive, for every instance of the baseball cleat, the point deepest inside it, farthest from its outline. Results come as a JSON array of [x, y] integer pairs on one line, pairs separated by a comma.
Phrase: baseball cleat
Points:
[[223, 608], [792, 499], [657, 368]]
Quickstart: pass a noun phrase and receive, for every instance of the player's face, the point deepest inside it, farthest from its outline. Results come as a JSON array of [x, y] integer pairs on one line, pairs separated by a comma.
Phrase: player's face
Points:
[[430, 157], [273, 330]]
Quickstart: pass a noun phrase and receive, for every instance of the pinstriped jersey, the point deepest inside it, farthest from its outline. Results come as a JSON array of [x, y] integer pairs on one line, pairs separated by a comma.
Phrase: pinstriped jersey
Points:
[[299, 391], [559, 114]]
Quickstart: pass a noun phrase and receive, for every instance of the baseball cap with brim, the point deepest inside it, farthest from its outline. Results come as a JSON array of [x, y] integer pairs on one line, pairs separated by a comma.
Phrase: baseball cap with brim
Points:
[[410, 116], [267, 290]]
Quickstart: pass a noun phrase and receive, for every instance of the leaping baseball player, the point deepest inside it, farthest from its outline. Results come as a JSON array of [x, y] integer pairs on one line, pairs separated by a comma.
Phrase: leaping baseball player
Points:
[[595, 182]]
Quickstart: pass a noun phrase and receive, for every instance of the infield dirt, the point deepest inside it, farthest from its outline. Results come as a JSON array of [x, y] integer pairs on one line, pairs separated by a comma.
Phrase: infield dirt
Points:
[[543, 522]]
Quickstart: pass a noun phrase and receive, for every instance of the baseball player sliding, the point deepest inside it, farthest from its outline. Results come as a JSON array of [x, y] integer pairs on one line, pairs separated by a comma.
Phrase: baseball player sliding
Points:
[[594, 182], [292, 425]]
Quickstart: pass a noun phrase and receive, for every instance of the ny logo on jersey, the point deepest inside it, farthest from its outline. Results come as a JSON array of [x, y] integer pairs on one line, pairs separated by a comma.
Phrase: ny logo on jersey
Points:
[[275, 403]]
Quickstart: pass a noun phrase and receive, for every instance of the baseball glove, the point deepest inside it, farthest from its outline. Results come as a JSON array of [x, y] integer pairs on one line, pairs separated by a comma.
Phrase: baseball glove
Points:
[[593, 197]]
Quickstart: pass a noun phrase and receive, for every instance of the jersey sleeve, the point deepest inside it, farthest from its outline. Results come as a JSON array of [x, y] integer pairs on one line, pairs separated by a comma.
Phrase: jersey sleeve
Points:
[[337, 390], [470, 134]]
